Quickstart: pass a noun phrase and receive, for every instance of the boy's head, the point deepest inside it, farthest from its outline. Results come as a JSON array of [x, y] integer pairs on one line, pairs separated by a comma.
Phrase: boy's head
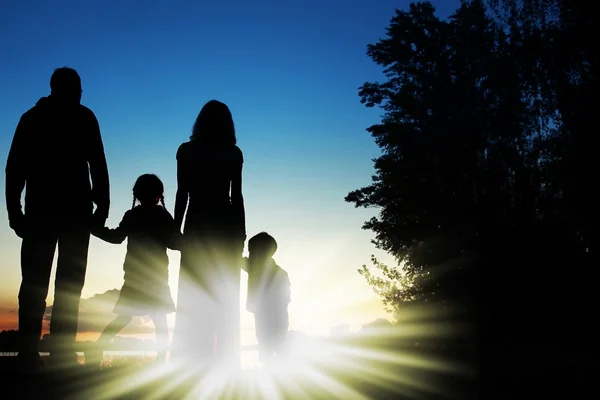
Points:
[[262, 246]]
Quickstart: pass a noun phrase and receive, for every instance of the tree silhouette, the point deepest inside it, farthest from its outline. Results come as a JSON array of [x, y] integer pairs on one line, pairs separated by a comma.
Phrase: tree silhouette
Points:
[[484, 181], [561, 72], [435, 139]]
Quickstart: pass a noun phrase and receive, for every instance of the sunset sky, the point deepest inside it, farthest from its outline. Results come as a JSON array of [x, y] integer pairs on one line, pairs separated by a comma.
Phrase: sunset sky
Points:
[[289, 71]]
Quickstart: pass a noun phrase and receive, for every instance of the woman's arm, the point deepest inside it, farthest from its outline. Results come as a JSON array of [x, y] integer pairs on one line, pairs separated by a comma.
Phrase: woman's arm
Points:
[[181, 198], [174, 236], [237, 201]]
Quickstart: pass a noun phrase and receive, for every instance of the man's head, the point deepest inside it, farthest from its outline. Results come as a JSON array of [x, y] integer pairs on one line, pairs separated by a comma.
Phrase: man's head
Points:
[[262, 246], [65, 85]]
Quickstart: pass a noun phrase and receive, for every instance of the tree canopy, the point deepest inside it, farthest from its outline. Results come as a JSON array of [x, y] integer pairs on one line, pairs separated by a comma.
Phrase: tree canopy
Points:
[[484, 183]]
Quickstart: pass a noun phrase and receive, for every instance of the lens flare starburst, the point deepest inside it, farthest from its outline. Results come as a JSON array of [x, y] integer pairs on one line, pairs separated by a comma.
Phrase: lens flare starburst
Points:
[[414, 360]]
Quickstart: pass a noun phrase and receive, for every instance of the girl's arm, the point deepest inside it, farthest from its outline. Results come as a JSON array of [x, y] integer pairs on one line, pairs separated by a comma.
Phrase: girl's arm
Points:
[[114, 236], [181, 198]]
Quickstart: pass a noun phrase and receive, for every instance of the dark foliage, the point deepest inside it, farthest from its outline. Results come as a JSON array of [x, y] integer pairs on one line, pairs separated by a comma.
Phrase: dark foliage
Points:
[[485, 184]]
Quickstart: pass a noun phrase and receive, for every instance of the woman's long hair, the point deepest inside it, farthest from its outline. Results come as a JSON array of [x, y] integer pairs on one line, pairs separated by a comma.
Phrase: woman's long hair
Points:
[[214, 125]]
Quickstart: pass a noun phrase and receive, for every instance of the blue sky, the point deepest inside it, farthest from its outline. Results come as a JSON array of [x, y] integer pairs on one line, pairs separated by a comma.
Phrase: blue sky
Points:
[[289, 71]]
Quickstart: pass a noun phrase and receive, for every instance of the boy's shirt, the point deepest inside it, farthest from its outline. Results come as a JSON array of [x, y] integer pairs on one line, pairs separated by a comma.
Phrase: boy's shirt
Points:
[[268, 286]]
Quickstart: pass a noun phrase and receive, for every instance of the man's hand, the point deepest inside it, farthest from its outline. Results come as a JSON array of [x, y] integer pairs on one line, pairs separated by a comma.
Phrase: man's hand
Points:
[[99, 218], [18, 224]]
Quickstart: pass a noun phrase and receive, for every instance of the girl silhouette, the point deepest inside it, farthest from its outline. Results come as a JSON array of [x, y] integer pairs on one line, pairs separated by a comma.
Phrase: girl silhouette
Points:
[[209, 177], [150, 230]]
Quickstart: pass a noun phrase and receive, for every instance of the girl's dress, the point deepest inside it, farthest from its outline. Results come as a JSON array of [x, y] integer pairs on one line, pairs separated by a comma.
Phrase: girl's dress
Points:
[[149, 230]]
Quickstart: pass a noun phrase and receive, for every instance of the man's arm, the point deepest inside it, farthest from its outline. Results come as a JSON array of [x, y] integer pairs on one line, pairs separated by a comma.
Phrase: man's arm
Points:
[[98, 170], [16, 167]]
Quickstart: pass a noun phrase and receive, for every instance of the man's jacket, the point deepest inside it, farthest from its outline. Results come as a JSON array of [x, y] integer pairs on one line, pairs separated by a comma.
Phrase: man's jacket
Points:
[[54, 151]]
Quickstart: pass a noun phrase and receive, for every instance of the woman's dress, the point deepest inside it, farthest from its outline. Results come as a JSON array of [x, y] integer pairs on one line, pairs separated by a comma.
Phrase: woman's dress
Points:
[[207, 323]]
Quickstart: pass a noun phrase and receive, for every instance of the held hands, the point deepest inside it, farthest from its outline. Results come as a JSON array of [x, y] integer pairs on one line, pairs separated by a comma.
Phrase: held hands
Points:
[[98, 231], [99, 219], [176, 241], [18, 222], [98, 224], [245, 263]]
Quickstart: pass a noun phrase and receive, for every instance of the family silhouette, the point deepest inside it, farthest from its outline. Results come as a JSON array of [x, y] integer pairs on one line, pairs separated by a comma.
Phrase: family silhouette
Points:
[[57, 148]]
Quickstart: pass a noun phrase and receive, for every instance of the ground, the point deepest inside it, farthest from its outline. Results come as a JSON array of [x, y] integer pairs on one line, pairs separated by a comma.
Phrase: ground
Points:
[[352, 371]]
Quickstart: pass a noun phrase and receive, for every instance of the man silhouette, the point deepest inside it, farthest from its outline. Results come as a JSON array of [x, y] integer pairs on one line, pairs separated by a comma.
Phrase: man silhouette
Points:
[[56, 147]]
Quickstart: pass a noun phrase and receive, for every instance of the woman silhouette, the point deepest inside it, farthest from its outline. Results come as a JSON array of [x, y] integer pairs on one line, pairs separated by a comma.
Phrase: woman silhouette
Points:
[[209, 175]]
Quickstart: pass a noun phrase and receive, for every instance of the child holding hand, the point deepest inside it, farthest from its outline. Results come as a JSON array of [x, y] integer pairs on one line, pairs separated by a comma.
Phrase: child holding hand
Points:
[[150, 230]]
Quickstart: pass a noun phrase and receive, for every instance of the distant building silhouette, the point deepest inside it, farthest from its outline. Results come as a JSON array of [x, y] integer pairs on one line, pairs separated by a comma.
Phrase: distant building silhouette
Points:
[[339, 330]]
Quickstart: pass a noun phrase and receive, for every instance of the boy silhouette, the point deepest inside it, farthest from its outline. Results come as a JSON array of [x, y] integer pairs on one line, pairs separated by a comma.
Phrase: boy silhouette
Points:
[[268, 296]]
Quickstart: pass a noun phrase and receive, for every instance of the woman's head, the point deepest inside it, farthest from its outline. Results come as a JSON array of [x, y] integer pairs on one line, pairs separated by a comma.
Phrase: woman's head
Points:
[[148, 189], [214, 125]]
